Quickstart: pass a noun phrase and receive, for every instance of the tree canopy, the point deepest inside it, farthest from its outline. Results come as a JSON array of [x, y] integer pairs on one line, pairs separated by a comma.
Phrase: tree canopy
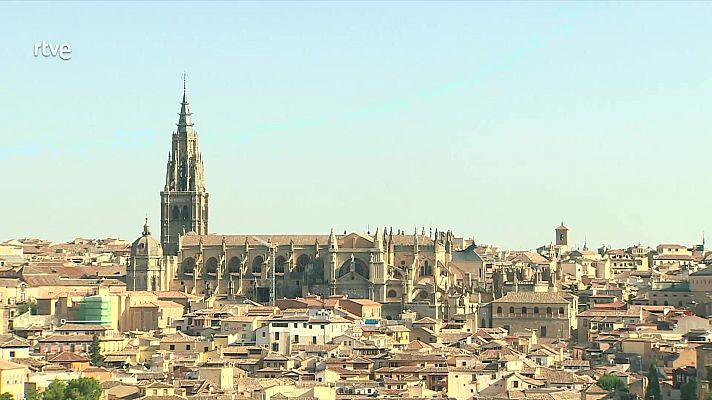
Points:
[[75, 389], [611, 382], [652, 391], [688, 391], [97, 359]]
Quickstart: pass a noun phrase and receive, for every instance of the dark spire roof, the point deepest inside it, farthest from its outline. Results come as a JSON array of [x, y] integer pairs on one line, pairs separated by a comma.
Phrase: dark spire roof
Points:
[[185, 122]]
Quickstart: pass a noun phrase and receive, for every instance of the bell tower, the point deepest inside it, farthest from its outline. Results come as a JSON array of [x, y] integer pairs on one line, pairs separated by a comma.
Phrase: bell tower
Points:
[[184, 200], [562, 235]]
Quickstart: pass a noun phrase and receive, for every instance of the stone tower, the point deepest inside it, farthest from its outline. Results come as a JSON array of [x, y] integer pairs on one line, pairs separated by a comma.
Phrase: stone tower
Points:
[[184, 200], [146, 269], [562, 235]]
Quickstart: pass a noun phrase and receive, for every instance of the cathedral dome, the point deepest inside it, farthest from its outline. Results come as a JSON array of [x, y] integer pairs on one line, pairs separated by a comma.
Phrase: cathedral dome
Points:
[[146, 245]]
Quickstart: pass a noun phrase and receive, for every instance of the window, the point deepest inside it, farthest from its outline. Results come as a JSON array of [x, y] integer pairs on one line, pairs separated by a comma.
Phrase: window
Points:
[[511, 310], [536, 310], [313, 339], [172, 347], [205, 348], [296, 338], [548, 310], [542, 331], [499, 310], [561, 310], [524, 310], [276, 336], [187, 347]]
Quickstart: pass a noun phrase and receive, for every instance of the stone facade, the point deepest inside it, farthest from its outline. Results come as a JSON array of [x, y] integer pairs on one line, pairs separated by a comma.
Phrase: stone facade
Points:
[[552, 314], [184, 200], [383, 266]]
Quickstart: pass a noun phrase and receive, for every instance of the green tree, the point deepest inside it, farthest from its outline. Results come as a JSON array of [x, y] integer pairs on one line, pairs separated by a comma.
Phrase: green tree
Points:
[[688, 391], [652, 391], [97, 359], [55, 391], [83, 389], [31, 394], [24, 307], [75, 389], [7, 396], [611, 382]]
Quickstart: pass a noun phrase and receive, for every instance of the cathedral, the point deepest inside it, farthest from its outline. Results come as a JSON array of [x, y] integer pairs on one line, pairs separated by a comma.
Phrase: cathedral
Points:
[[382, 266]]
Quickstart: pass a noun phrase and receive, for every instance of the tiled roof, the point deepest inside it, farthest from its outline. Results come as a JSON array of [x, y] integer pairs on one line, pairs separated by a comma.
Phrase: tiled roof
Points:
[[233, 240], [67, 356], [179, 337], [5, 365], [532, 298], [80, 328]]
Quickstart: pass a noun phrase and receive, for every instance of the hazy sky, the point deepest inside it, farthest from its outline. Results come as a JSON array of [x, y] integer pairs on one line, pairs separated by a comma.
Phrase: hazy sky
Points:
[[494, 120]]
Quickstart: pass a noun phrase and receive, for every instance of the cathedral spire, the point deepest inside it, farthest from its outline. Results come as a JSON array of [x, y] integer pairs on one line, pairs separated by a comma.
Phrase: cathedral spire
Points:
[[378, 240], [185, 122], [184, 200]]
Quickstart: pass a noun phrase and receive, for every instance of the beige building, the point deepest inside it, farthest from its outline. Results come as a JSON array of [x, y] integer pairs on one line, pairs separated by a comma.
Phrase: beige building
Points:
[[552, 314], [12, 378]]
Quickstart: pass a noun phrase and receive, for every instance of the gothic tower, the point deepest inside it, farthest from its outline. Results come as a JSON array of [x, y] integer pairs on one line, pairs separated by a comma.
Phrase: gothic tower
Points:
[[184, 200]]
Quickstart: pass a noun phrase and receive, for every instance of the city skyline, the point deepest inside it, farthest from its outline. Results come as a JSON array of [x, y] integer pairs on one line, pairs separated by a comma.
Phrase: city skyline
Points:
[[374, 142]]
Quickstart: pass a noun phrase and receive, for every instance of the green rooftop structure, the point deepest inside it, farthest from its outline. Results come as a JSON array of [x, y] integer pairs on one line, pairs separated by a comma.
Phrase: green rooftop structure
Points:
[[95, 310]]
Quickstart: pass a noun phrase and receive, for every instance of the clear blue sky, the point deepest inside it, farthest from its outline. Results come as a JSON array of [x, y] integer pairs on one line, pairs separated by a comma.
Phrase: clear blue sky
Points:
[[494, 120]]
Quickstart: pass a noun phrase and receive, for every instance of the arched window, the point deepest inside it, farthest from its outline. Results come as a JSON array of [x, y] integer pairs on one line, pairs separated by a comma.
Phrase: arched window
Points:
[[186, 213], [548, 311], [536, 310], [358, 267], [211, 266], [279, 265], [561, 310], [499, 311], [188, 265], [302, 263], [317, 274], [392, 293], [524, 310], [257, 265], [175, 212], [511, 310], [233, 266], [426, 269]]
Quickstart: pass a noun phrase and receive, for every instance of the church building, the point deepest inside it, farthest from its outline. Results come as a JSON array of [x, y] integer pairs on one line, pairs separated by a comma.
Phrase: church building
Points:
[[383, 266]]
